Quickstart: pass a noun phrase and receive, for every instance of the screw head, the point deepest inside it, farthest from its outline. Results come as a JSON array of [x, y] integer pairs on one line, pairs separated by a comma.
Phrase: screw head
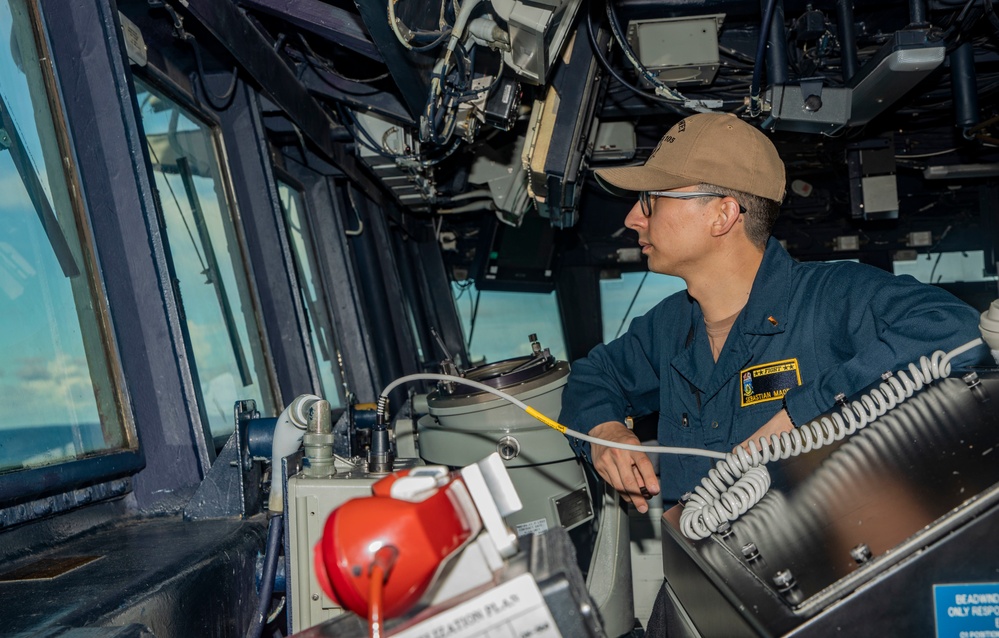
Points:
[[861, 553], [750, 551]]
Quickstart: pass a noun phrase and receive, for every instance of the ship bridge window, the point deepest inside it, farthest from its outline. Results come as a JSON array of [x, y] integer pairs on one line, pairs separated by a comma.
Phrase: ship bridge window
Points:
[[946, 267], [324, 344], [206, 258], [497, 323], [632, 295], [60, 379]]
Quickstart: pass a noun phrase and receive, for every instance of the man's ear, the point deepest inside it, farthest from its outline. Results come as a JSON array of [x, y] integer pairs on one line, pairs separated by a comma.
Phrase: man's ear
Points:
[[726, 216]]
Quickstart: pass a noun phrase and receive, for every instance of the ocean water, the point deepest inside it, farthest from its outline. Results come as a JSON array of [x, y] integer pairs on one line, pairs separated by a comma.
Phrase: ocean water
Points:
[[46, 444]]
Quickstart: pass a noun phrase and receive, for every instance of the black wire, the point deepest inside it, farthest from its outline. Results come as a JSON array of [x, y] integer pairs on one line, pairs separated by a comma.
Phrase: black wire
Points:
[[309, 54], [444, 35], [475, 314], [934, 269], [632, 304], [372, 145], [222, 102], [610, 69]]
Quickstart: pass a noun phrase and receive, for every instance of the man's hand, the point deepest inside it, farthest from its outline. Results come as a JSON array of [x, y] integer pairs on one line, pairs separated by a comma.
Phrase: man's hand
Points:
[[630, 473], [781, 422]]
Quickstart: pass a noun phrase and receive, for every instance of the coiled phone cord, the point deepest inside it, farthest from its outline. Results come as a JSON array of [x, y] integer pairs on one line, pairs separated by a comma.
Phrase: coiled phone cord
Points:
[[739, 481]]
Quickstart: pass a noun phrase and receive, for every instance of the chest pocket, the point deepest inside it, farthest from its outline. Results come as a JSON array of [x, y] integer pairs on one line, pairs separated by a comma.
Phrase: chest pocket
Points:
[[677, 428]]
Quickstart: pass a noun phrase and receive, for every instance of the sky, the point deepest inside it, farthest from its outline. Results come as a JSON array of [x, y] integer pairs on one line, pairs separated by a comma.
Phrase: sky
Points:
[[45, 378]]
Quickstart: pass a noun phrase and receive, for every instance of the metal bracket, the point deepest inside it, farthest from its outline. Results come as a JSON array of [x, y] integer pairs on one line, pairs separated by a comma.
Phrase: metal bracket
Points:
[[232, 485]]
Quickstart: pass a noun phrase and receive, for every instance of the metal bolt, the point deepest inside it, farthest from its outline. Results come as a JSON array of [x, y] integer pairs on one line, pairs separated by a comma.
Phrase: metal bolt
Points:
[[750, 551], [861, 553], [887, 375], [724, 530], [315, 596], [840, 399], [784, 580], [686, 497], [971, 379]]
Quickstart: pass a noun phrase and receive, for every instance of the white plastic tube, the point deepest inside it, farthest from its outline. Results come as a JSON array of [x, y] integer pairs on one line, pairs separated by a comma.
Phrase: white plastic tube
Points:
[[288, 434]]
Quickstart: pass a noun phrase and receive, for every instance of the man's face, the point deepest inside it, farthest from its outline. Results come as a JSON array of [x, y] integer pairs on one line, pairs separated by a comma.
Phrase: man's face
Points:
[[675, 235]]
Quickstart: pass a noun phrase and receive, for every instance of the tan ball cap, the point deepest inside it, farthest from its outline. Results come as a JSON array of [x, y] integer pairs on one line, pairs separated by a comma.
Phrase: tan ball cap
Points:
[[710, 148]]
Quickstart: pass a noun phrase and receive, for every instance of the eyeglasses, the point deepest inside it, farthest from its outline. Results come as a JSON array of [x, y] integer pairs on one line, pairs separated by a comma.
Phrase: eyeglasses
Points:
[[647, 198]]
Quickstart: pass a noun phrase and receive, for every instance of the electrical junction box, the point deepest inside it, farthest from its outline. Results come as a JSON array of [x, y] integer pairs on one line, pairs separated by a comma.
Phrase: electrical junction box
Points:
[[808, 108], [309, 503], [873, 186], [846, 242], [538, 32], [614, 142], [681, 51]]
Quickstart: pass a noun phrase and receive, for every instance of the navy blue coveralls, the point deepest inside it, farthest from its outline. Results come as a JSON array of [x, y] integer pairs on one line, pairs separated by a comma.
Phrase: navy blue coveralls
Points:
[[808, 332]]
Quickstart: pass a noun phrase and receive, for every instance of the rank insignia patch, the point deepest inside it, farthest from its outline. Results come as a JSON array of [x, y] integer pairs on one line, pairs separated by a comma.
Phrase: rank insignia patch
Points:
[[768, 381]]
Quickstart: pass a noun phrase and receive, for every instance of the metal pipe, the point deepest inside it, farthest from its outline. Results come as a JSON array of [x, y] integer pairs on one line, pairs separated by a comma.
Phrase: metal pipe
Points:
[[755, 107], [917, 12], [964, 85], [777, 47], [847, 39]]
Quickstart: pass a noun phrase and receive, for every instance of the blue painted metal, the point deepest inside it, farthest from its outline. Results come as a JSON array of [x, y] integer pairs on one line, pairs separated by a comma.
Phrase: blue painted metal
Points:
[[65, 500], [410, 70], [326, 20], [322, 193], [175, 577], [260, 437], [273, 271], [372, 254], [356, 95], [964, 84], [847, 38], [777, 71], [108, 154], [235, 32], [233, 485]]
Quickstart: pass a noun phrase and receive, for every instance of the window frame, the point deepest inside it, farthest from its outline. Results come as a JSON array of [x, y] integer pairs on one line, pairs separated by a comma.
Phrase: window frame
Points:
[[19, 486], [319, 272], [161, 82]]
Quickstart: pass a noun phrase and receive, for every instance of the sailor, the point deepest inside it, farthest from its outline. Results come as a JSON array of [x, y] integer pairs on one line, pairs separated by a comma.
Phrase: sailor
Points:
[[758, 343]]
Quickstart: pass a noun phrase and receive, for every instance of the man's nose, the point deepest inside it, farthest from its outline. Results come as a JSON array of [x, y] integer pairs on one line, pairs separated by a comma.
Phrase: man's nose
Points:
[[636, 218]]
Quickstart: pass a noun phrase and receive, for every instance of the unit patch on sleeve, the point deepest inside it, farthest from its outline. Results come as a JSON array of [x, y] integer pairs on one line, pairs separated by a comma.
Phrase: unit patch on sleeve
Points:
[[768, 381]]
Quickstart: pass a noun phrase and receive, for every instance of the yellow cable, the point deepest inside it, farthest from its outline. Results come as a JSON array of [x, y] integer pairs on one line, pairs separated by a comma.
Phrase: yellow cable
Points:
[[549, 422]]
